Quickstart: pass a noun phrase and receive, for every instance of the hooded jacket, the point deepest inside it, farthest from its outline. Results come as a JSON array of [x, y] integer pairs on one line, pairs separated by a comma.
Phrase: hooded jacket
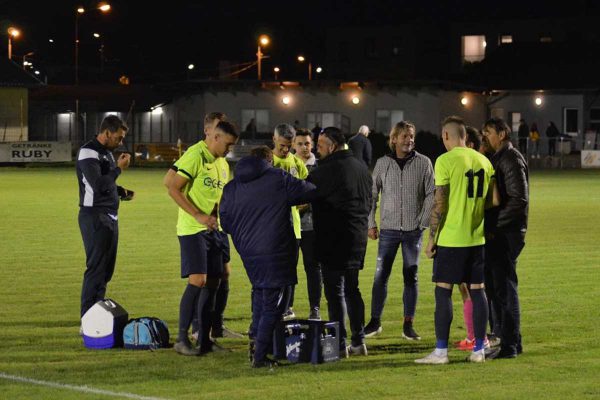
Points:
[[256, 211]]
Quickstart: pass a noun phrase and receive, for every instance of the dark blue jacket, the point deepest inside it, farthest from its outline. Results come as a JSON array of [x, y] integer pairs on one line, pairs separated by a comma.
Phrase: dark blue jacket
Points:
[[256, 211]]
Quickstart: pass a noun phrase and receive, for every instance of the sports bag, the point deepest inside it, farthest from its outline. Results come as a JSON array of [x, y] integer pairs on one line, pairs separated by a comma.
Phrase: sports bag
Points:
[[146, 333]]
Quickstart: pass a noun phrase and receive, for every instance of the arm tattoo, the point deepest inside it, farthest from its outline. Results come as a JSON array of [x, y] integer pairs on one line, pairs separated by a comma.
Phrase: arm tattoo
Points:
[[440, 208]]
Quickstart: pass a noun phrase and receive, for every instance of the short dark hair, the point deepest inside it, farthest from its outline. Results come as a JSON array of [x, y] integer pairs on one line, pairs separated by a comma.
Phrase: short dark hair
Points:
[[473, 137], [335, 135], [228, 128], [262, 152], [456, 120], [210, 117], [303, 132], [499, 126], [112, 123]]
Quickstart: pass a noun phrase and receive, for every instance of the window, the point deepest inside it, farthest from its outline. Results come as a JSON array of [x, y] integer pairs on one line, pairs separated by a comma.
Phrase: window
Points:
[[497, 112], [505, 39], [595, 119], [473, 48], [385, 119], [515, 118], [324, 119], [546, 39], [261, 117], [571, 121]]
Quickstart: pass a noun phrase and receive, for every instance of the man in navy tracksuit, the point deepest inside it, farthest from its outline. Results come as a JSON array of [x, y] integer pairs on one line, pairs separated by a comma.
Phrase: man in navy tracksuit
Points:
[[97, 172], [255, 211]]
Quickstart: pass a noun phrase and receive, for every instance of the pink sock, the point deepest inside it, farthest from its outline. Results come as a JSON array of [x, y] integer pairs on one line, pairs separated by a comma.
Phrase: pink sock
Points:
[[468, 315]]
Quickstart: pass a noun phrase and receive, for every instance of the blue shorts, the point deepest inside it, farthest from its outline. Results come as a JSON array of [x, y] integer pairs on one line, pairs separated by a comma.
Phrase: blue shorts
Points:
[[202, 253], [458, 265]]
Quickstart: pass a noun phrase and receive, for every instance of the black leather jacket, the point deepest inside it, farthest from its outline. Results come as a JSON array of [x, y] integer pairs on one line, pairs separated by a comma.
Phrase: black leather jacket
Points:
[[512, 177]]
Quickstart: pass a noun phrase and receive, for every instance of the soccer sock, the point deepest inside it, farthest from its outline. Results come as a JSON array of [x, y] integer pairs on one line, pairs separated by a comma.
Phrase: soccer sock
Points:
[[480, 316], [443, 316], [220, 304], [204, 306], [187, 311], [468, 316]]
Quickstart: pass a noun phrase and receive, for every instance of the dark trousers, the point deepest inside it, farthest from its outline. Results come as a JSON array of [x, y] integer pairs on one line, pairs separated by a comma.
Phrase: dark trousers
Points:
[[343, 295], [552, 147], [268, 306], [311, 267], [501, 255], [389, 242], [523, 146], [100, 234], [290, 290]]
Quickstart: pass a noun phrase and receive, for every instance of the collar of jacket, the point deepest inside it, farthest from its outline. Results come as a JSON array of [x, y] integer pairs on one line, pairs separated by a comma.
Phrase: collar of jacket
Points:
[[498, 155], [410, 155], [338, 155]]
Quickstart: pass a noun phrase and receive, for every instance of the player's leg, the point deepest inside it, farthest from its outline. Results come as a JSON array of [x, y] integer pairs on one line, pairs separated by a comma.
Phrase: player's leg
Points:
[[193, 267], [389, 241], [411, 249]]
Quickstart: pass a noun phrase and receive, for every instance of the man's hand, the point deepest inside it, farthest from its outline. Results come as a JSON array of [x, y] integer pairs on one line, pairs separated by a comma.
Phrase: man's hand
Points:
[[210, 221], [431, 249], [373, 233], [123, 160]]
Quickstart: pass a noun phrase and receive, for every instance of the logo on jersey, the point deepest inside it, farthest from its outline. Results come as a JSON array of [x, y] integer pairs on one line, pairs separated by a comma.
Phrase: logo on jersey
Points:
[[294, 172], [213, 183]]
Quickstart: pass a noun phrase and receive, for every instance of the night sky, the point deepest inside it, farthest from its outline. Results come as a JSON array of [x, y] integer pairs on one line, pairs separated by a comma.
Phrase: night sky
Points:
[[157, 42]]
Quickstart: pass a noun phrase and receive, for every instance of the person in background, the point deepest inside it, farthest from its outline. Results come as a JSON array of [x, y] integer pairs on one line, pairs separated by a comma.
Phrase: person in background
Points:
[[361, 146], [534, 138], [303, 146]]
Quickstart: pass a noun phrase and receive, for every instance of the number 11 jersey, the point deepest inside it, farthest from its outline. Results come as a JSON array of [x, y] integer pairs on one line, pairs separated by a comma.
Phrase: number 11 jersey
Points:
[[467, 174]]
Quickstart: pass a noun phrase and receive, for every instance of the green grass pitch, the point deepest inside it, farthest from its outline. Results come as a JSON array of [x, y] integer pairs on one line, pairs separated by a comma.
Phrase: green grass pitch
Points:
[[42, 262]]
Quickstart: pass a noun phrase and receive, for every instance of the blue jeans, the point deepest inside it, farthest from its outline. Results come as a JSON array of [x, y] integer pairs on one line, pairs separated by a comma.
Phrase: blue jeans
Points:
[[389, 242]]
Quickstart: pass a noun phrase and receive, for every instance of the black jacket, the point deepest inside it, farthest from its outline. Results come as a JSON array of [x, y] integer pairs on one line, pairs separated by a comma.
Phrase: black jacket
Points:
[[341, 210], [361, 148], [512, 176], [255, 210], [97, 173]]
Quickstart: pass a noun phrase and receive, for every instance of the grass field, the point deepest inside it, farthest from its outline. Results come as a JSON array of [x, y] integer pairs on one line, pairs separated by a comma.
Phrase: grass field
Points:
[[42, 262]]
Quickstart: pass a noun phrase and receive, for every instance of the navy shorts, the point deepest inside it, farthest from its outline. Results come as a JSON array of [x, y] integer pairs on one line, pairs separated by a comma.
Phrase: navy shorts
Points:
[[201, 253], [458, 265], [224, 244]]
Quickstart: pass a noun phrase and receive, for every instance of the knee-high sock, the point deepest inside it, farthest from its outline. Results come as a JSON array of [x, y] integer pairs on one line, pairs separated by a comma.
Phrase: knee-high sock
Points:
[[443, 316], [480, 316], [205, 304], [220, 304], [468, 316], [187, 310]]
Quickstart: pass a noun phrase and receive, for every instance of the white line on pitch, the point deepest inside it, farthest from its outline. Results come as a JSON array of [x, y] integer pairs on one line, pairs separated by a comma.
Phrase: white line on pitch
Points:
[[84, 389]]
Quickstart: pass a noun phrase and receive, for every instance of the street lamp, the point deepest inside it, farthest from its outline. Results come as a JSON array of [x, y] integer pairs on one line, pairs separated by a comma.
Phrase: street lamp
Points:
[[263, 40], [302, 59], [276, 71], [103, 7], [98, 36], [12, 33]]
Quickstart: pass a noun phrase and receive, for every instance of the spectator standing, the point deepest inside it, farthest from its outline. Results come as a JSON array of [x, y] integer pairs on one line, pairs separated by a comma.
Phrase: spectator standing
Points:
[[404, 179], [361, 146]]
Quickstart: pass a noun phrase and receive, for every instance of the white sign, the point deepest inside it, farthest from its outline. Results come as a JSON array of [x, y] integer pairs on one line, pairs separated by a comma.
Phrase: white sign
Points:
[[35, 152], [590, 158]]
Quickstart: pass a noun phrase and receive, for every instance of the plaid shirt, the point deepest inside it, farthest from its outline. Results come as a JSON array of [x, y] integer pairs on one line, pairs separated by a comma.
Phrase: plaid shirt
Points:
[[406, 194]]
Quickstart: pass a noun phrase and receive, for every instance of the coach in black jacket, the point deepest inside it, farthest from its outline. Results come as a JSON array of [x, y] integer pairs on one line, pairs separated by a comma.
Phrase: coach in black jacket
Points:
[[341, 214], [97, 172], [506, 226]]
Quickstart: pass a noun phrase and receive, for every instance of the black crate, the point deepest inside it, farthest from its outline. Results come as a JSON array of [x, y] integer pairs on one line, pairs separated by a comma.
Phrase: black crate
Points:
[[303, 340]]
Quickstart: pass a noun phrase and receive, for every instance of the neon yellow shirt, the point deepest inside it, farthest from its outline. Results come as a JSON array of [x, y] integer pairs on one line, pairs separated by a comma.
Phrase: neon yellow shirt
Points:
[[468, 174], [206, 177], [295, 167]]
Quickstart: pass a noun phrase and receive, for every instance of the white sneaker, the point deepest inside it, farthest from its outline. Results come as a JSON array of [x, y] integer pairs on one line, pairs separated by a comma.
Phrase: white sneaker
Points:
[[476, 356], [289, 315], [433, 358], [360, 350]]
